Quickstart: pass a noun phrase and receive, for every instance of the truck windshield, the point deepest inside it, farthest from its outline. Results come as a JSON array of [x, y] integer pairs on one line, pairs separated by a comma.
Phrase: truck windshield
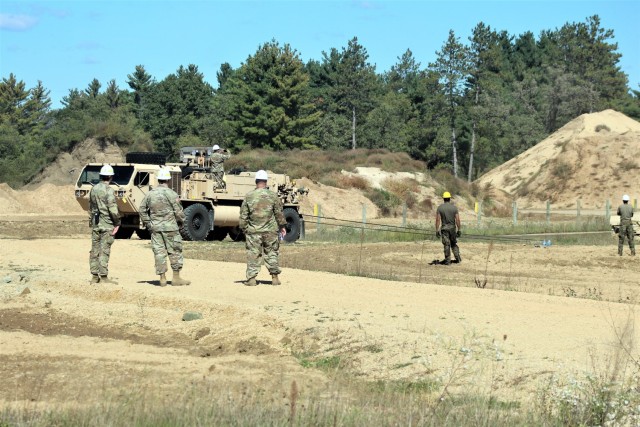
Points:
[[91, 175]]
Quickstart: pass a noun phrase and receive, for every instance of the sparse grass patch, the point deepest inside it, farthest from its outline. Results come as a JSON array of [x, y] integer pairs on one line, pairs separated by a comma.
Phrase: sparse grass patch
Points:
[[385, 201], [628, 164], [602, 127]]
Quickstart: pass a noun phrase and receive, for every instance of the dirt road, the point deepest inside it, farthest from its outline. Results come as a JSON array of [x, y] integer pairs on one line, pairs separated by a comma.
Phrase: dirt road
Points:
[[63, 336]]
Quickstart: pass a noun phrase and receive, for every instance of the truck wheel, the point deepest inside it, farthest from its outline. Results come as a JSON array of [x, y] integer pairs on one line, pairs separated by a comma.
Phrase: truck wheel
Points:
[[218, 233], [293, 224], [196, 223], [146, 158], [143, 234], [236, 234], [124, 233]]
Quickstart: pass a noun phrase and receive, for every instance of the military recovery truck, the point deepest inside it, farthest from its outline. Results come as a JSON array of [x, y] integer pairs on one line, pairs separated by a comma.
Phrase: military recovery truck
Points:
[[212, 210], [614, 222]]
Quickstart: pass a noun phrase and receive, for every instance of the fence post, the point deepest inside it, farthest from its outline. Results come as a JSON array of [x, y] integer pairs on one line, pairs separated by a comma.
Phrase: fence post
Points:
[[404, 214], [578, 210], [479, 216], [548, 212], [607, 210], [318, 210], [514, 208], [364, 215]]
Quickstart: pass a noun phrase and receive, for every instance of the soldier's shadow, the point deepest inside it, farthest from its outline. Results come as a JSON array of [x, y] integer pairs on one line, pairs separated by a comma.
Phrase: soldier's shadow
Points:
[[259, 282], [150, 282]]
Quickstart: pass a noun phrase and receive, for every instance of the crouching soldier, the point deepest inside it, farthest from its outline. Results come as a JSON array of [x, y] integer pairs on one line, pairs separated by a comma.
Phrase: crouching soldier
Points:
[[161, 213]]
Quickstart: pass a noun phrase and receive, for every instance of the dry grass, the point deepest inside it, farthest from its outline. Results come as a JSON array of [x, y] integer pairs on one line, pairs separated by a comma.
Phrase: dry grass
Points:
[[318, 165]]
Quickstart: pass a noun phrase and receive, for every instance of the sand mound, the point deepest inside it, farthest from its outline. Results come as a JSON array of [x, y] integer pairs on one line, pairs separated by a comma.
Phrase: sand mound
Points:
[[335, 202], [67, 166], [593, 158], [45, 199]]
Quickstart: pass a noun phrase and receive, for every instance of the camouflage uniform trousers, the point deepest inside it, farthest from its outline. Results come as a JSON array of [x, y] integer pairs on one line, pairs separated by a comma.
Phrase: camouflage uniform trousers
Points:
[[626, 231], [167, 243], [262, 246], [450, 241], [218, 177], [101, 241]]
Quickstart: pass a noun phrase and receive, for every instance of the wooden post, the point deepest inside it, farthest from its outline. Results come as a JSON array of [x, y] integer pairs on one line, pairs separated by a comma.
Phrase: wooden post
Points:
[[607, 210], [514, 208], [578, 210], [364, 215], [548, 212], [404, 214], [479, 213], [318, 212]]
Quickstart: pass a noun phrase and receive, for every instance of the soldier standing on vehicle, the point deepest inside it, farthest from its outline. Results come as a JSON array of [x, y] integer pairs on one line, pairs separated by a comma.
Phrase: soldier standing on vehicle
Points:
[[217, 164], [105, 222], [625, 210], [161, 212], [448, 228], [260, 219]]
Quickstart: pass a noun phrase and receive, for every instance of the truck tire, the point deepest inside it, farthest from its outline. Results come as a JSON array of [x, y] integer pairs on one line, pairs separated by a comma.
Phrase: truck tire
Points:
[[196, 224], [236, 234], [124, 233], [293, 224], [146, 158], [143, 234], [217, 234]]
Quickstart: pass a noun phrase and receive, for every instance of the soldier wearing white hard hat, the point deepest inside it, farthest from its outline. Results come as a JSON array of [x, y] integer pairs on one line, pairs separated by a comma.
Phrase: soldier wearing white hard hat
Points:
[[217, 160], [105, 222], [625, 211], [161, 212], [263, 223]]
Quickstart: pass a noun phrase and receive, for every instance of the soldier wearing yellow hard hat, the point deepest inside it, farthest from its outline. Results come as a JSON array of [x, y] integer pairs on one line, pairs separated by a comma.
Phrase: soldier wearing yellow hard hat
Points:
[[448, 228]]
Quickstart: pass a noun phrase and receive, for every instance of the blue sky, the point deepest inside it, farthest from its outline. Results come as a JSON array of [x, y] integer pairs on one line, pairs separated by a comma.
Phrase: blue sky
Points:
[[68, 43]]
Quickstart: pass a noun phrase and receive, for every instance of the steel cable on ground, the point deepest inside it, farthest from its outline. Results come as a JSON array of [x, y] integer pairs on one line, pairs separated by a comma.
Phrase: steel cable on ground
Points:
[[415, 231]]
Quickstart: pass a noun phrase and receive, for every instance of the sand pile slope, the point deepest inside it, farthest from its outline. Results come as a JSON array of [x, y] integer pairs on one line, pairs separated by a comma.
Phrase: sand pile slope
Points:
[[593, 158], [66, 168], [45, 199]]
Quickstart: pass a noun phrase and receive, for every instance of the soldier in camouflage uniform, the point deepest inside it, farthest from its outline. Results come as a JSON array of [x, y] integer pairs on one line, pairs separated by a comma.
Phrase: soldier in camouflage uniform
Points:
[[260, 219], [625, 210], [447, 222], [217, 165], [105, 222], [161, 213]]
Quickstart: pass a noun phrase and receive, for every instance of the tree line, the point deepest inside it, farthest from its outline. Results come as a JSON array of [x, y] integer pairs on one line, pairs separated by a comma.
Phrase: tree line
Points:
[[482, 101]]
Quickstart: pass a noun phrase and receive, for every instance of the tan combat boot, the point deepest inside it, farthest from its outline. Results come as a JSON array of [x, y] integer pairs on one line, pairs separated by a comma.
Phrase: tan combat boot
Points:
[[105, 279], [251, 282], [95, 278], [275, 281], [177, 281], [163, 279]]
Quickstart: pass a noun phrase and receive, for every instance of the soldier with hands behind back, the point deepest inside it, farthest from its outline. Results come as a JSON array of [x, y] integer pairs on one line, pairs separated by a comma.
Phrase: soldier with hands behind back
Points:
[[625, 210], [161, 212], [261, 218], [105, 222], [448, 228]]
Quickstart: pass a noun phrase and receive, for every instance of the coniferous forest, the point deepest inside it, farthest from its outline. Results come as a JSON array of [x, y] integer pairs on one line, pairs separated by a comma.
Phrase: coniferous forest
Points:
[[484, 99]]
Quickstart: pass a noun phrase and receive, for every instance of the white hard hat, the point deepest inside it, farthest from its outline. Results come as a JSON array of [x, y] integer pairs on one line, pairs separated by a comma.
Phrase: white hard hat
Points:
[[625, 198], [106, 170], [164, 175], [261, 175], [215, 147]]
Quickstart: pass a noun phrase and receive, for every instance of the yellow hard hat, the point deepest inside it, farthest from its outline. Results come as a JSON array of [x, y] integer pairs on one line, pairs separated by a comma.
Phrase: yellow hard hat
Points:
[[446, 195]]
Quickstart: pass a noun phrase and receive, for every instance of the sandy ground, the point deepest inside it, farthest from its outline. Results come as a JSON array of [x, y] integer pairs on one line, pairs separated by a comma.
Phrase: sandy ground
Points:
[[63, 337]]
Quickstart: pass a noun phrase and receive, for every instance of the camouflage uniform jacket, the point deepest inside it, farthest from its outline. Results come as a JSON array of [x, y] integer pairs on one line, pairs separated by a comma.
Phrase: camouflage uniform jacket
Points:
[[161, 209], [102, 202], [261, 212], [217, 161], [626, 213]]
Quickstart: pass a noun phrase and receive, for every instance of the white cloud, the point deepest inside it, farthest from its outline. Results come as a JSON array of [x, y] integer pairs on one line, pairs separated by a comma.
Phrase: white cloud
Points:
[[12, 22]]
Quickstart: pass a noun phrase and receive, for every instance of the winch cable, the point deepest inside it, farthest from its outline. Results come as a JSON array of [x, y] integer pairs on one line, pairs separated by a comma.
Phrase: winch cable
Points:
[[419, 232]]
